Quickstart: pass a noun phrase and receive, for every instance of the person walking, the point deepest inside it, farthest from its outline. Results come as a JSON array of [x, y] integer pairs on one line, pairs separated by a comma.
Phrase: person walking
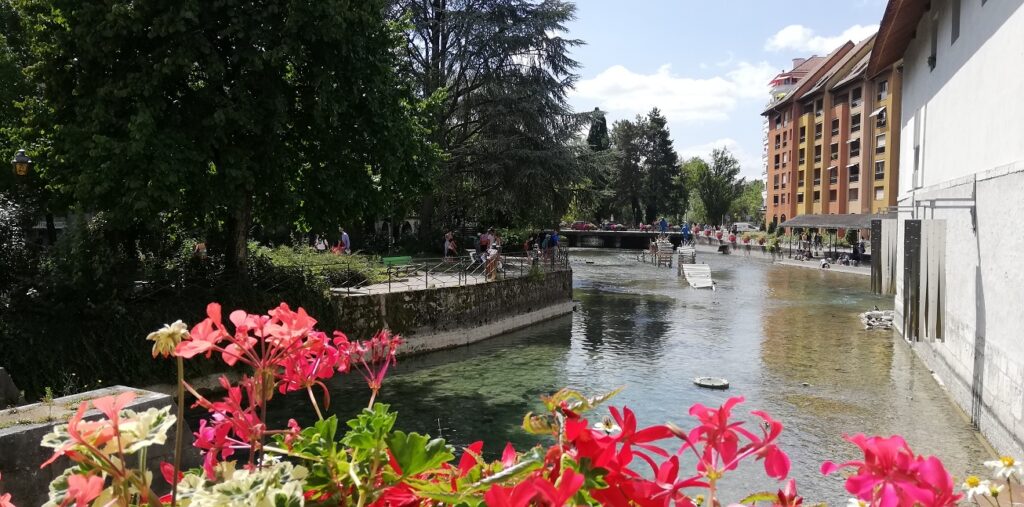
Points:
[[663, 224], [345, 243]]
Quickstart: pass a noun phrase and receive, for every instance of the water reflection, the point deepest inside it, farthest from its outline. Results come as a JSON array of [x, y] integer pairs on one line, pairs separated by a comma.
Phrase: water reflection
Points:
[[788, 339]]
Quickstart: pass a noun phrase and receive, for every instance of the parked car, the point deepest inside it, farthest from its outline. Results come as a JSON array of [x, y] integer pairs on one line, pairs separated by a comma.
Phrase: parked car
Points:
[[745, 227], [583, 225]]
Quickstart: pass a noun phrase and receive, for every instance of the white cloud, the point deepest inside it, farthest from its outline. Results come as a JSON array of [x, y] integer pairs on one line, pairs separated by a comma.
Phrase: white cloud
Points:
[[750, 164], [803, 39], [620, 90]]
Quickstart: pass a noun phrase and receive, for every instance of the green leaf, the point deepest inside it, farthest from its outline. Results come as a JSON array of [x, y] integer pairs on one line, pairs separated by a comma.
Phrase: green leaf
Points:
[[370, 427], [416, 453], [762, 496]]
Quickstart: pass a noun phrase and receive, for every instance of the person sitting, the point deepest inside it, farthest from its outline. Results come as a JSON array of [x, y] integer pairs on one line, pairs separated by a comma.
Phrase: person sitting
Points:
[[825, 264]]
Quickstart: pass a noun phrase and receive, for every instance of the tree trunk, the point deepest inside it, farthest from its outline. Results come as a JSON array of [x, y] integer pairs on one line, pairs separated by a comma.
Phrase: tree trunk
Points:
[[51, 230], [237, 251]]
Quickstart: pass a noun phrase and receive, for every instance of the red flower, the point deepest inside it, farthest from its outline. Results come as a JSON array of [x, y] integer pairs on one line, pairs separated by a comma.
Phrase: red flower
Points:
[[892, 476], [83, 489], [720, 440], [787, 496], [535, 490]]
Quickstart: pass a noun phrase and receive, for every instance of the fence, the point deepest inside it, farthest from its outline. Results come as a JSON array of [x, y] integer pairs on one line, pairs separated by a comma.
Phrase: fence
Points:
[[431, 273]]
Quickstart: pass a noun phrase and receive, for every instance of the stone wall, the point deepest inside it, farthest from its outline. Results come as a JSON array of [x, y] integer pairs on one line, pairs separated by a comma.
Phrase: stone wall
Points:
[[22, 428], [436, 311], [980, 353]]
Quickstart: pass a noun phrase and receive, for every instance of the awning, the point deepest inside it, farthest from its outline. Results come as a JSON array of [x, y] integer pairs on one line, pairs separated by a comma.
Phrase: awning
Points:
[[848, 221], [876, 112]]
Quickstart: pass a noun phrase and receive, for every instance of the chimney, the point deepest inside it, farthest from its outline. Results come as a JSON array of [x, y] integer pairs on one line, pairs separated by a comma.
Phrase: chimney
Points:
[[798, 62]]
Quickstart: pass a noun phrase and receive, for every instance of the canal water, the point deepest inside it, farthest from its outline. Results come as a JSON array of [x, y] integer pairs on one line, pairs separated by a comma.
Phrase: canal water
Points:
[[788, 339]]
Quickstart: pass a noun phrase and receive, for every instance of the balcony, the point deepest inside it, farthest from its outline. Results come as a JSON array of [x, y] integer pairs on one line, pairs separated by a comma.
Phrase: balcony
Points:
[[854, 177], [801, 161], [817, 158], [835, 131], [879, 175], [817, 182], [803, 139], [777, 146], [855, 128]]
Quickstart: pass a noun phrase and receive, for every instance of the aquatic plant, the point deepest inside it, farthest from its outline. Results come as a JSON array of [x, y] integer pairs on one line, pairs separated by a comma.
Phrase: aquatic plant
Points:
[[367, 462]]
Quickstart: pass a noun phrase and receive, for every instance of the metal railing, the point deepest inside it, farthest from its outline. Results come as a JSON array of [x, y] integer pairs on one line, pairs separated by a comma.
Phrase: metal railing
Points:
[[470, 269]]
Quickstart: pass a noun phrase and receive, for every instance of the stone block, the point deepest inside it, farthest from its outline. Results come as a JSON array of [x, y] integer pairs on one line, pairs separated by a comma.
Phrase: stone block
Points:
[[9, 392], [22, 428]]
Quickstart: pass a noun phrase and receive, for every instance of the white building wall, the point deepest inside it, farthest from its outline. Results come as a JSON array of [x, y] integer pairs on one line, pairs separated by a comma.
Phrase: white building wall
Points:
[[966, 117]]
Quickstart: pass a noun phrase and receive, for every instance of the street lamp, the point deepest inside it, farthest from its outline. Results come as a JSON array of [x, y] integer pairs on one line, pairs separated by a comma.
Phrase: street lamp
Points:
[[21, 163]]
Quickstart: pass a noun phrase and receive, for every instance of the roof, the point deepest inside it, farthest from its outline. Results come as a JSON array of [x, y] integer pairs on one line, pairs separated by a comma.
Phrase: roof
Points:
[[899, 22], [812, 75], [856, 73], [849, 221], [840, 66]]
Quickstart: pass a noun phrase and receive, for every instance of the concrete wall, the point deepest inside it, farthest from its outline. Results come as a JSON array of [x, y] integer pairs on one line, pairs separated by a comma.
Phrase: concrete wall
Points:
[[965, 115], [472, 312], [966, 120], [21, 454]]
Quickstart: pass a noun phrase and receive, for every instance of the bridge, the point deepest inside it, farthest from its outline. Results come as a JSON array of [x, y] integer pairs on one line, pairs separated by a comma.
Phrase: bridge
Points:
[[635, 240]]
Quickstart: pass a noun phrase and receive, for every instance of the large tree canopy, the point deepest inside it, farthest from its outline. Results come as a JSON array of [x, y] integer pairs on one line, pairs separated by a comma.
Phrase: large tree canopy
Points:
[[717, 185], [500, 71], [228, 113]]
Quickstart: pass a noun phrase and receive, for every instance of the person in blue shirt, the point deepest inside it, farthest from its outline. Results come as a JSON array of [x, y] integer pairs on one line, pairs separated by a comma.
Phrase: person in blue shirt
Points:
[[664, 225], [686, 232]]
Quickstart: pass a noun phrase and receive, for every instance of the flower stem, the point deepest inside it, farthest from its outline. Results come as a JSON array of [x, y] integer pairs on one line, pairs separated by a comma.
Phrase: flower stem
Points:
[[179, 429], [316, 406], [373, 397]]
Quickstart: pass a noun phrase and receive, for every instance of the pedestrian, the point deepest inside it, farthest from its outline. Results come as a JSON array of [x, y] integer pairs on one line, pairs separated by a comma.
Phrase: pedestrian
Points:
[[345, 243], [450, 249], [320, 244], [545, 245], [664, 225]]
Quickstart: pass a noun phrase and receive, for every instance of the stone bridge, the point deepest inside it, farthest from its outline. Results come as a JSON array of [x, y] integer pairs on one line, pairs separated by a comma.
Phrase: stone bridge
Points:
[[635, 240]]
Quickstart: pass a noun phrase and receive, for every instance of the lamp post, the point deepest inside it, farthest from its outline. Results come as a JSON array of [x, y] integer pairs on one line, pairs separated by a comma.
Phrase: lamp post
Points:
[[21, 164]]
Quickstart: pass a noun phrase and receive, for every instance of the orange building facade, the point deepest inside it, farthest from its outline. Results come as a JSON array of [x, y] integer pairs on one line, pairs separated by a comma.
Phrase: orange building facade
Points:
[[831, 148]]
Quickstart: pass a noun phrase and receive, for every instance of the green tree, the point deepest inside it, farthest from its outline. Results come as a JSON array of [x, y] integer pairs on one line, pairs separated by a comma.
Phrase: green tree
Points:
[[748, 205], [500, 71], [597, 137], [227, 114], [661, 167], [630, 143], [717, 184]]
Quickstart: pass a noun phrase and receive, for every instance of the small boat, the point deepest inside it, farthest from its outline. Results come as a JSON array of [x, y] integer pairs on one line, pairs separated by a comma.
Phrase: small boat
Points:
[[711, 382]]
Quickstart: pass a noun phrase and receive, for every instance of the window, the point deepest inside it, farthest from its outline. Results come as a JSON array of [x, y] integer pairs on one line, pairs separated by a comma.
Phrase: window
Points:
[[778, 121], [879, 193], [933, 55], [817, 176], [817, 131], [833, 195], [883, 90], [817, 153], [839, 100], [855, 123], [853, 194], [775, 182], [955, 33], [785, 158], [855, 97], [880, 119], [800, 179], [803, 134], [834, 151], [785, 138], [854, 171], [785, 180], [776, 160], [800, 198], [880, 143], [777, 141], [833, 174], [783, 199], [835, 127], [802, 157], [819, 107], [855, 148], [817, 196], [880, 170], [775, 200]]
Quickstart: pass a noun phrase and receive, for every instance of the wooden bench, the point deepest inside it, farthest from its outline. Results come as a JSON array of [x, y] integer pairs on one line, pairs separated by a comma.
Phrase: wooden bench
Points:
[[400, 266]]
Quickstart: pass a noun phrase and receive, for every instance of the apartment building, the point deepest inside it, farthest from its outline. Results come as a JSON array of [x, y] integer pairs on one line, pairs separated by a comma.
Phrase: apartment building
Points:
[[957, 252], [782, 112], [840, 156]]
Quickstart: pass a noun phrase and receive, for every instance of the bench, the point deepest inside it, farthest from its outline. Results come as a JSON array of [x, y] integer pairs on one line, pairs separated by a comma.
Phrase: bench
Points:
[[400, 266]]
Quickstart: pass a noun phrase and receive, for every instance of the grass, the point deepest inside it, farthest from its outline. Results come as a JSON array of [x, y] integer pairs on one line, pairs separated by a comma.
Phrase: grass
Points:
[[337, 270]]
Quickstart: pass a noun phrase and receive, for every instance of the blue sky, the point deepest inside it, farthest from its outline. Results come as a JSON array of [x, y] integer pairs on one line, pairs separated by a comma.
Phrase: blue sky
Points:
[[705, 64]]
